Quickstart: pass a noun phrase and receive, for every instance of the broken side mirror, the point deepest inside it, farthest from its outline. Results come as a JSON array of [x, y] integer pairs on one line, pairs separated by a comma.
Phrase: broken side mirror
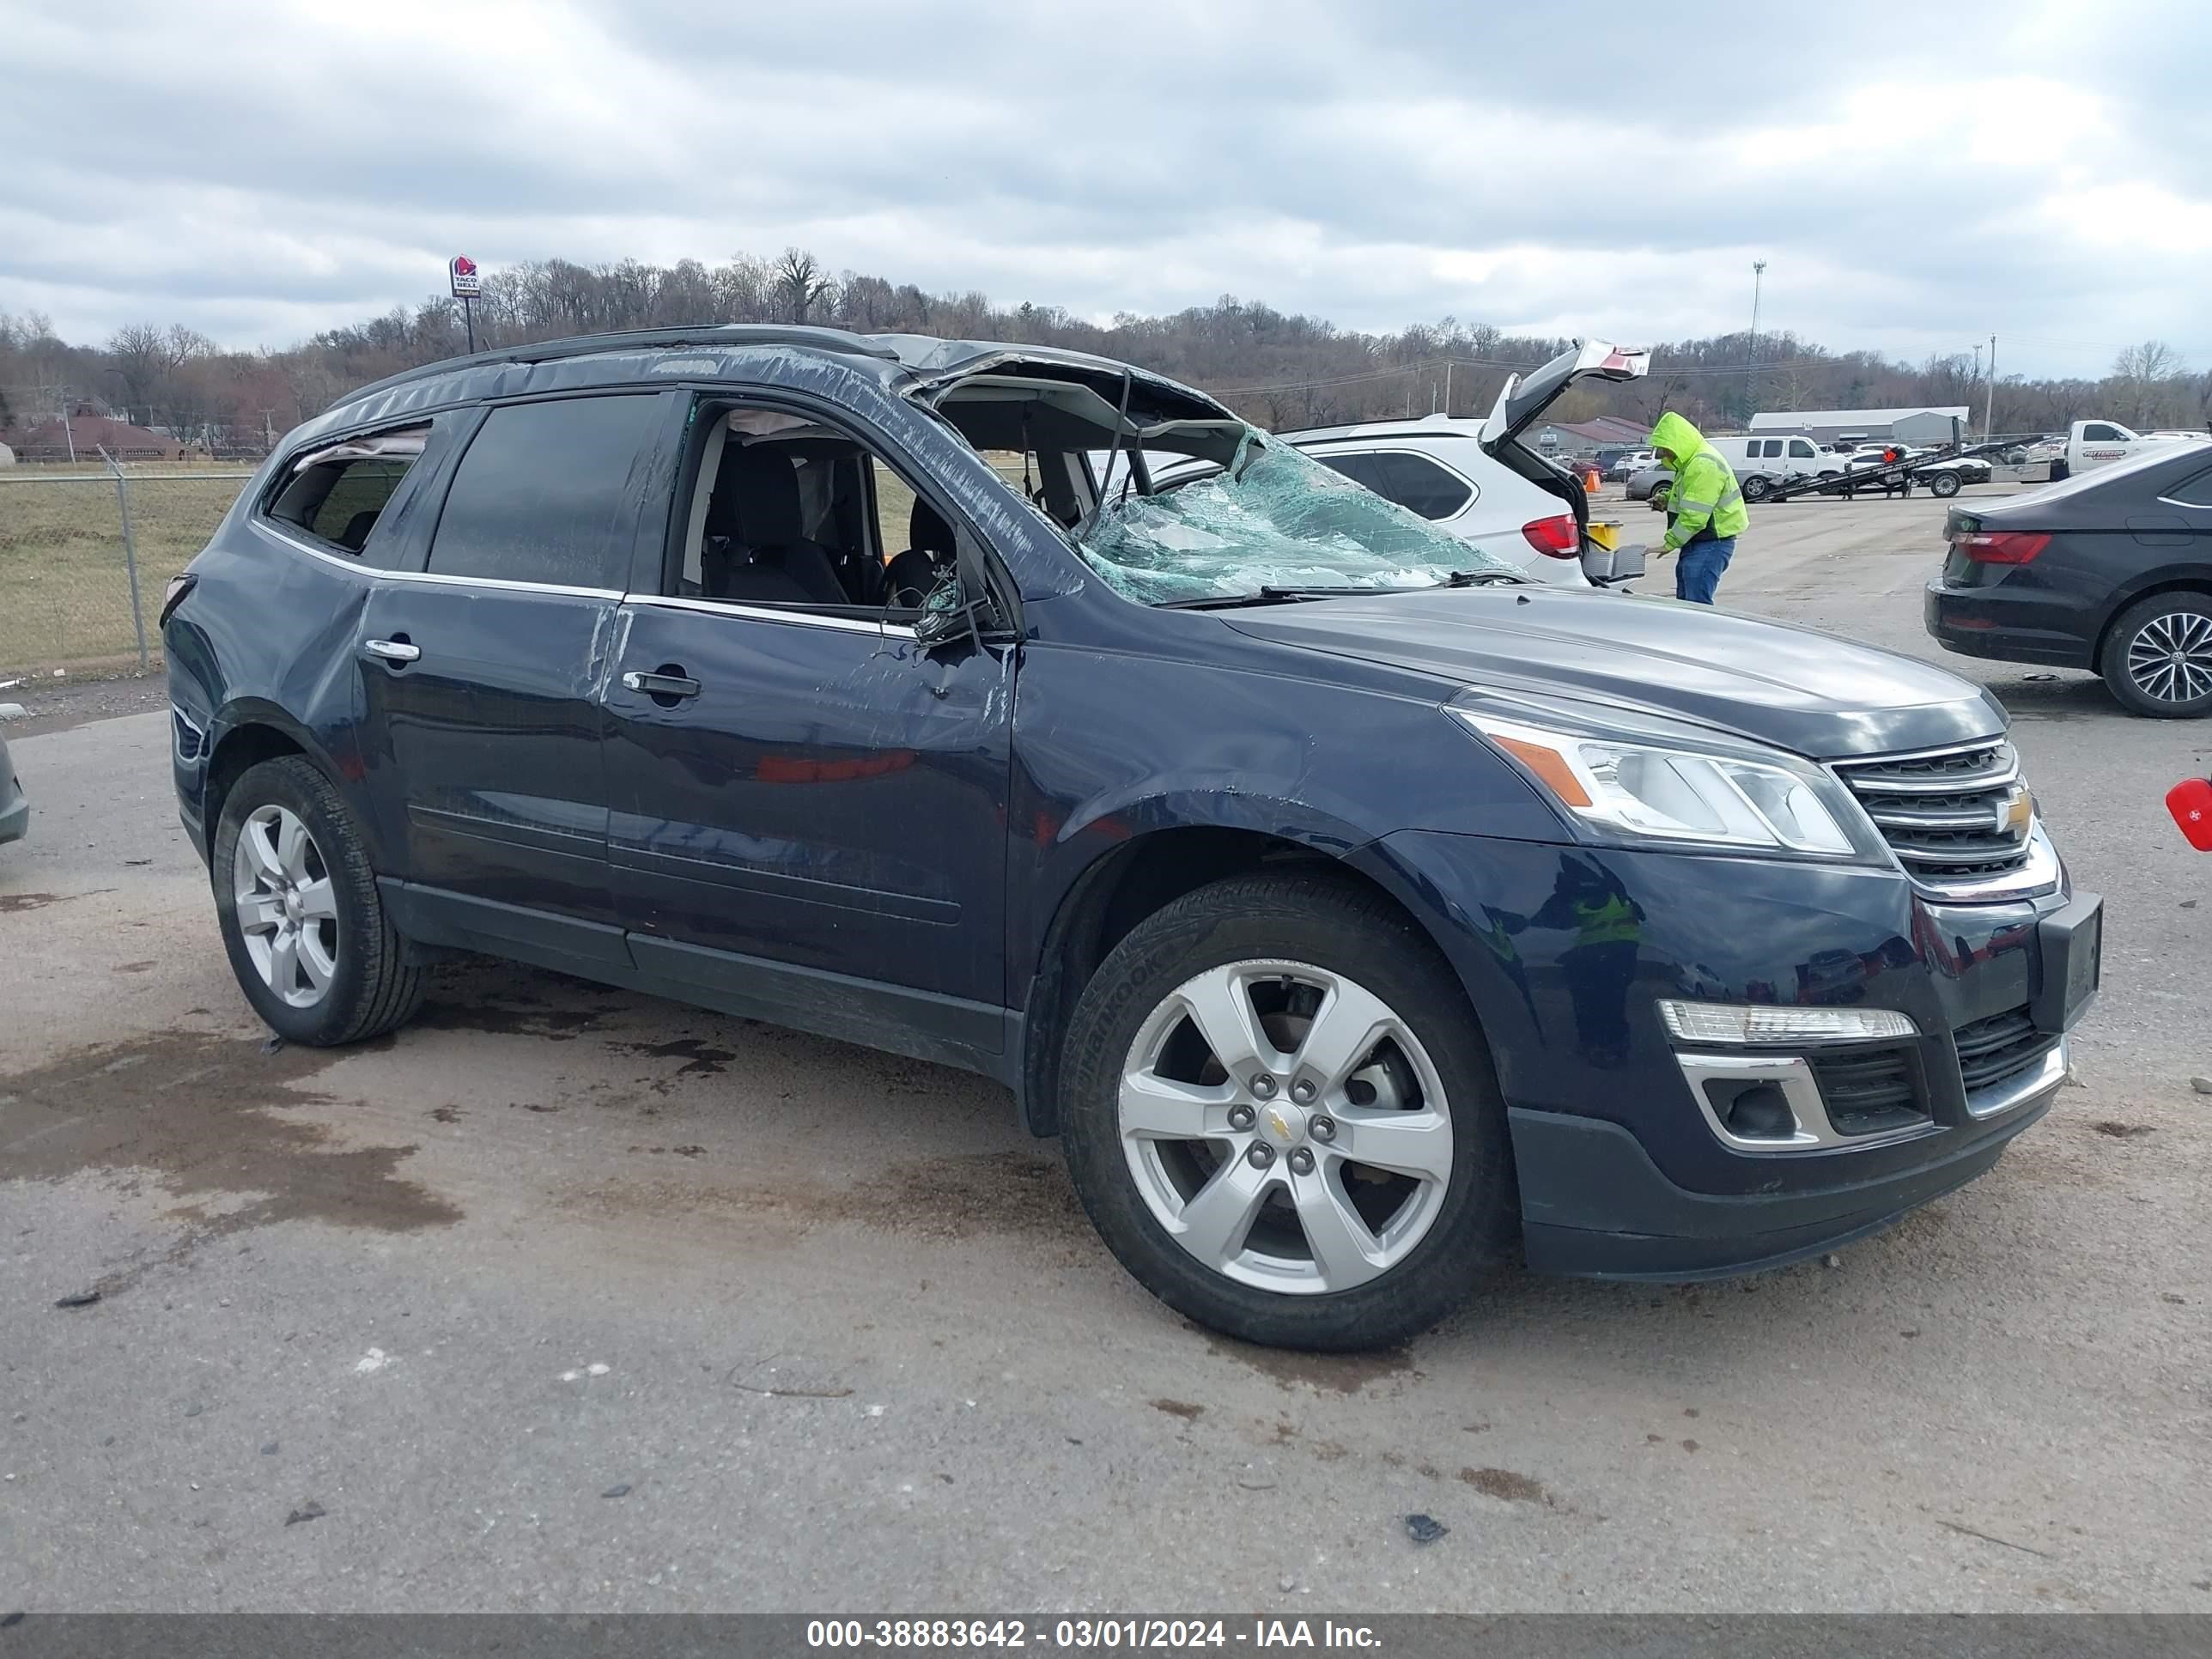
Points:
[[947, 615]]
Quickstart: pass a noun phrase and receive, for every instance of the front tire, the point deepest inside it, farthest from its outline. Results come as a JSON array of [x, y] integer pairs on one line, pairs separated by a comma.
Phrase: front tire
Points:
[[1282, 1120], [2157, 660], [302, 921]]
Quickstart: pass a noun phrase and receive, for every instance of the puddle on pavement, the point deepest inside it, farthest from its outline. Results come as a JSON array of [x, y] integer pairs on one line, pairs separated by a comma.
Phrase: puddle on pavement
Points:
[[203, 1113], [1330, 1373], [1505, 1484], [455, 1009], [700, 1057], [997, 1194]]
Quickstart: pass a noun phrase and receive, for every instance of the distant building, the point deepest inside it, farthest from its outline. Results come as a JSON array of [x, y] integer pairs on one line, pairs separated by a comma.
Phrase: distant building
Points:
[[87, 434], [1603, 440], [1904, 426]]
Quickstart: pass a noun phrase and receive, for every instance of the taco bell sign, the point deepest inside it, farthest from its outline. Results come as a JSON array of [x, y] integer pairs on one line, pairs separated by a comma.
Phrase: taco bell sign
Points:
[[463, 271]]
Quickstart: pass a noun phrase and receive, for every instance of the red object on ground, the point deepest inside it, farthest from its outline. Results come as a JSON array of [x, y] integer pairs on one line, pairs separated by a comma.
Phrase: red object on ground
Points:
[[2190, 803]]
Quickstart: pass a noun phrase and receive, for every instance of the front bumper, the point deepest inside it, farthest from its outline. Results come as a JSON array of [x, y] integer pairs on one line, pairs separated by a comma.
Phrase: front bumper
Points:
[[1603, 1209], [1623, 1172]]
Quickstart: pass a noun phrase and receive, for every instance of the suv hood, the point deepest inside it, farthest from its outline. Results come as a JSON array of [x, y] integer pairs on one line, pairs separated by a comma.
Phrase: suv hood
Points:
[[1788, 687]]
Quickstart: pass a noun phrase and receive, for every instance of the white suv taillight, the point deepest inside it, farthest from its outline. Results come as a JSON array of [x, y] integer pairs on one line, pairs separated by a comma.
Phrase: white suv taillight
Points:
[[1555, 537]]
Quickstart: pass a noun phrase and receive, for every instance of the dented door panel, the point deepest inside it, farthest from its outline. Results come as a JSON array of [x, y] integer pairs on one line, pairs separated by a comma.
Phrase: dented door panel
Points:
[[831, 798]]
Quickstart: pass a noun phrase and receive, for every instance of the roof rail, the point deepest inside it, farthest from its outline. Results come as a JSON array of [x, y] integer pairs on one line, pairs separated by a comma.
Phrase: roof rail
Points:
[[688, 334]]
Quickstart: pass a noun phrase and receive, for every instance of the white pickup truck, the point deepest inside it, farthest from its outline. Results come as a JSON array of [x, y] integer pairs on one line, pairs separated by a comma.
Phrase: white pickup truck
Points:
[[2092, 444]]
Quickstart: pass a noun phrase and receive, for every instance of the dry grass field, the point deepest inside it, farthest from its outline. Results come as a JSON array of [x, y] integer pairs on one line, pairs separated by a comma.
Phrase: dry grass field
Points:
[[64, 588]]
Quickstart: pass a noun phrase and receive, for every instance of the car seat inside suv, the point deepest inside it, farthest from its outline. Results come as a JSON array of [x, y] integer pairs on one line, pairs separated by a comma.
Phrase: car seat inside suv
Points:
[[756, 545]]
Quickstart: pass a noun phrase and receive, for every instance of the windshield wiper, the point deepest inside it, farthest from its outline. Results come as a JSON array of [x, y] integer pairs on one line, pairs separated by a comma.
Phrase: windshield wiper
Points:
[[1265, 596], [1271, 595]]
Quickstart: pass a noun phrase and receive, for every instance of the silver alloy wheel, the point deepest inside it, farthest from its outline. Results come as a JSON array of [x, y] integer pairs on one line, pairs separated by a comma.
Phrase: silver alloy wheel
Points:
[[1285, 1126], [287, 913], [2170, 658]]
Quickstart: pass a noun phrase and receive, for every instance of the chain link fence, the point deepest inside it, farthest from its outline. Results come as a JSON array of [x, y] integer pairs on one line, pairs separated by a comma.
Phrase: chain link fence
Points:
[[85, 554]]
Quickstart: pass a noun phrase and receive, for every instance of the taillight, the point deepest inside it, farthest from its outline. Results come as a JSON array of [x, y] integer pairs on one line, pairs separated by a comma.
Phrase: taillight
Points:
[[1554, 538], [2000, 546], [173, 596]]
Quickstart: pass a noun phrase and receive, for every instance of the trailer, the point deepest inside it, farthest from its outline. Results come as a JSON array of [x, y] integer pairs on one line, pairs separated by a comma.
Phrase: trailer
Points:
[[1896, 476]]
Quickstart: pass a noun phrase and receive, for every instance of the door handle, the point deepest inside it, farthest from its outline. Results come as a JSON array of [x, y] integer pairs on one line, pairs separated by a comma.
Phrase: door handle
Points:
[[393, 650], [661, 685]]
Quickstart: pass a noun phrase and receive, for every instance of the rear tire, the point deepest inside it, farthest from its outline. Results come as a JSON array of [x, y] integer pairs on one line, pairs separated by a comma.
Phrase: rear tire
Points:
[[1756, 488], [1943, 485], [302, 921], [1313, 1246], [2157, 660]]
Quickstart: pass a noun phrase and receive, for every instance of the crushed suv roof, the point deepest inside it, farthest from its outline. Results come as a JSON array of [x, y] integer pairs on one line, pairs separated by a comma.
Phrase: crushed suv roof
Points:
[[924, 357]]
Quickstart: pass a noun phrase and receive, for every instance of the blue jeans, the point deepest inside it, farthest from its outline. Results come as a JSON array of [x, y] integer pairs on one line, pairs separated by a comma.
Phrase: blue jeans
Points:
[[1698, 569]]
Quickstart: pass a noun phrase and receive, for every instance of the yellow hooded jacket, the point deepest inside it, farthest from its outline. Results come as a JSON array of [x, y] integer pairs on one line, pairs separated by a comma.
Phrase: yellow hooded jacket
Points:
[[1705, 502]]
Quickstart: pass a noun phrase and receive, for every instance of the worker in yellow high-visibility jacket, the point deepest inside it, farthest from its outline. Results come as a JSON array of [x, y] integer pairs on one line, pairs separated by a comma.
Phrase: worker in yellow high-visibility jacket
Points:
[[1705, 508]]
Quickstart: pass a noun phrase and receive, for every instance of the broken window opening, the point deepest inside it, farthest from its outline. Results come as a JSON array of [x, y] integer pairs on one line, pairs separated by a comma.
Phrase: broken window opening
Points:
[[337, 494]]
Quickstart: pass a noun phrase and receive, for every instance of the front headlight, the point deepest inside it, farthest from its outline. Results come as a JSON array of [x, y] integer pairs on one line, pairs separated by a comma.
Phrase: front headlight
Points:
[[1644, 790]]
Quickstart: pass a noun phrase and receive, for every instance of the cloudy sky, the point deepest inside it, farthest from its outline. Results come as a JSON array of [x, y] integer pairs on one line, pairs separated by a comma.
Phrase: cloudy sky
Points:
[[1917, 177]]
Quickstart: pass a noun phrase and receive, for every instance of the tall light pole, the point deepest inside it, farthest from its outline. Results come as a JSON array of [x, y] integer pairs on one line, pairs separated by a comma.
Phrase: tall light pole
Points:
[[1751, 346], [1990, 395]]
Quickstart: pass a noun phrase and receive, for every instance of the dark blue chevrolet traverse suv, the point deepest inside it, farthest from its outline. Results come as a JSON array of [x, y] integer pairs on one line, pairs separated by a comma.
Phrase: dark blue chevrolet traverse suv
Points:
[[1357, 912]]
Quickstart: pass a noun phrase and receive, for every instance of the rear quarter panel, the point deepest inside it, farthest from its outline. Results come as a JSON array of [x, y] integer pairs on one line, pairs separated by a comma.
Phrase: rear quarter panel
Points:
[[267, 637]]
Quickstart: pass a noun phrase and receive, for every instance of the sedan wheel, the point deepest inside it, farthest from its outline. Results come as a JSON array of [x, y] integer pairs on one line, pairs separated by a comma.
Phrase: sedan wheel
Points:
[[2171, 659], [2158, 660], [1285, 1128], [287, 912]]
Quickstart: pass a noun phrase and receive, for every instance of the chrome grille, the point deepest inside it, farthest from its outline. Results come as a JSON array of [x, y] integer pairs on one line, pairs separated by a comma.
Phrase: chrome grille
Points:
[[1953, 816]]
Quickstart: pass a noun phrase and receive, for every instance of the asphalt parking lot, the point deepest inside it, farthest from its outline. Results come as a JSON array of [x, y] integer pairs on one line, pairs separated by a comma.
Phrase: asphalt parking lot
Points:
[[566, 1299]]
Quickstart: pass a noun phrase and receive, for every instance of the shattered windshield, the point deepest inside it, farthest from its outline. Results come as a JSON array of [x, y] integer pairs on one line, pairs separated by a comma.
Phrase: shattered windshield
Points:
[[1274, 518]]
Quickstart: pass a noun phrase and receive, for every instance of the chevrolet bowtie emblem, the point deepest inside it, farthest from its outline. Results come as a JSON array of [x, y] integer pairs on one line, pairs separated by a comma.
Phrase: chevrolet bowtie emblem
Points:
[[1279, 1126], [2014, 814]]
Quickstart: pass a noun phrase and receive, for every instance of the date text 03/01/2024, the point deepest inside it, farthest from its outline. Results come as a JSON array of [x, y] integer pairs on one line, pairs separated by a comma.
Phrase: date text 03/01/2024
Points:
[[1086, 1633]]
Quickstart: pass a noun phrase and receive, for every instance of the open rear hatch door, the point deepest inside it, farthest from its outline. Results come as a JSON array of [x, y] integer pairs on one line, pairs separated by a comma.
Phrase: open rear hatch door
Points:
[[1523, 399]]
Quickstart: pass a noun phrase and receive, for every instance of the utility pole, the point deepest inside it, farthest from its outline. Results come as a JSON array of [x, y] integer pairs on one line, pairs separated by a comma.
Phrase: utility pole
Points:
[[1751, 346], [1990, 395], [1447, 369]]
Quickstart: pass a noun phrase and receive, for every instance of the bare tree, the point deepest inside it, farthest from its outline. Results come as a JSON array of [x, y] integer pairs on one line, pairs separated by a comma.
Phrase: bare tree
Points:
[[801, 284], [139, 355], [2154, 360]]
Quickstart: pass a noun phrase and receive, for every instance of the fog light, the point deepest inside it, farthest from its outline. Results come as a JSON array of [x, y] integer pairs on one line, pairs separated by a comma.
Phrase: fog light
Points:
[[1760, 1113], [1718, 1022]]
